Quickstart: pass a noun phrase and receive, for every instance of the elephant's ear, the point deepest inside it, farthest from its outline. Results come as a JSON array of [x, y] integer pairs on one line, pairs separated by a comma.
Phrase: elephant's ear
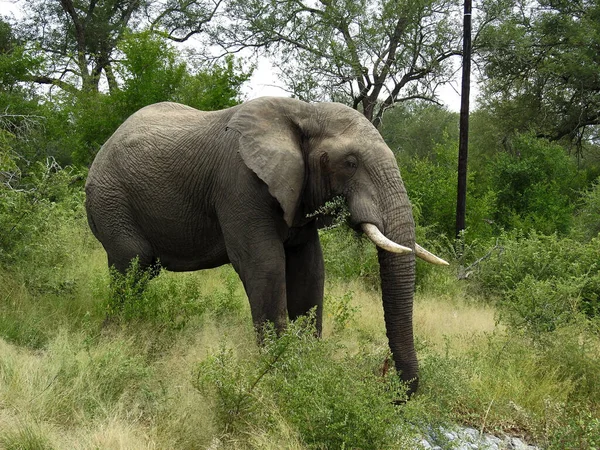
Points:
[[270, 140]]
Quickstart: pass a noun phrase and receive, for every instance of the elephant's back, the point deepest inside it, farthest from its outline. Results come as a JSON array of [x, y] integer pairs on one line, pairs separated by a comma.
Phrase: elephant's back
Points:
[[157, 138]]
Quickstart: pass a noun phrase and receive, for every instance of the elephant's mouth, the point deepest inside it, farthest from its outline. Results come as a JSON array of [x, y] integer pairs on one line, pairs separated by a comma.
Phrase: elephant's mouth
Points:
[[378, 238]]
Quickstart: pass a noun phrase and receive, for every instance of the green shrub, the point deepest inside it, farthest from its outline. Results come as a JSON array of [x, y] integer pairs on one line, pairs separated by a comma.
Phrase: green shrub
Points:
[[47, 200], [306, 381], [341, 309], [587, 220], [542, 305], [543, 281], [349, 256], [128, 298], [534, 186], [579, 429], [431, 185], [170, 299]]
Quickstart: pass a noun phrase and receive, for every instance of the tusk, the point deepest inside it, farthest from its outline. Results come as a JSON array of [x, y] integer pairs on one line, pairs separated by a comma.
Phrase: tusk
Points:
[[428, 256], [381, 241]]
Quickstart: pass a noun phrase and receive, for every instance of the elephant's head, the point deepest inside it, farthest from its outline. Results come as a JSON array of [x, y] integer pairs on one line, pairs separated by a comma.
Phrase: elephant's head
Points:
[[310, 153]]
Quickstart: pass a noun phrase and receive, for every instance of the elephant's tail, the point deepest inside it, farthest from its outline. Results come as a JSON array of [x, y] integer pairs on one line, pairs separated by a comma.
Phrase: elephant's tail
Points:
[[88, 210]]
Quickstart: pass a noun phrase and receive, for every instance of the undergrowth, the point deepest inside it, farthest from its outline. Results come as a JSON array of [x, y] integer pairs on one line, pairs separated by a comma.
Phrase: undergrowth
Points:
[[90, 363]]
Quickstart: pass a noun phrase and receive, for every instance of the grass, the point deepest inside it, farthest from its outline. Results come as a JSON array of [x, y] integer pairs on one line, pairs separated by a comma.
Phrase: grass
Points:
[[164, 377], [139, 385]]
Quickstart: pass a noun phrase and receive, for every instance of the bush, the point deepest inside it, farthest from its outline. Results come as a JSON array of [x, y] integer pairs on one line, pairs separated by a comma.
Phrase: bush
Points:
[[542, 305], [170, 300], [543, 281], [306, 381], [44, 199], [535, 186], [587, 220], [579, 429], [431, 186], [349, 256]]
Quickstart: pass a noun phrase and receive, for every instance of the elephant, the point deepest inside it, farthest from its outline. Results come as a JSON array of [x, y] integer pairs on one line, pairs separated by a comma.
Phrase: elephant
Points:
[[195, 190]]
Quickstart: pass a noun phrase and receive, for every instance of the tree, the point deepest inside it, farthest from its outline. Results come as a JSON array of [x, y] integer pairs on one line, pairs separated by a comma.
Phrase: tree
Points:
[[536, 185], [78, 39], [151, 71], [541, 64], [368, 53], [108, 58], [414, 129]]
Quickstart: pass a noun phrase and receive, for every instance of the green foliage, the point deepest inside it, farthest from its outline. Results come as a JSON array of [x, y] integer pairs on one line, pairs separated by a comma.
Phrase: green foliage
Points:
[[340, 309], [215, 88], [587, 220], [543, 282], [349, 255], [126, 297], [151, 70], [16, 62], [580, 429], [78, 42], [415, 129], [431, 185], [540, 63], [92, 117], [300, 376], [542, 305], [167, 300], [31, 208], [534, 186], [73, 120]]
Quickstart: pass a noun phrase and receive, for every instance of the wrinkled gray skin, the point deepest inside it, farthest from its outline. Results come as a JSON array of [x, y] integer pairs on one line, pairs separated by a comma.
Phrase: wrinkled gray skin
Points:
[[196, 190]]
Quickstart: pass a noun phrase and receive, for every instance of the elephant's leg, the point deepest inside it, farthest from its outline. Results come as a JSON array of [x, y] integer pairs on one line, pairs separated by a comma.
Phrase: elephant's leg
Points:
[[305, 276], [124, 249], [260, 263]]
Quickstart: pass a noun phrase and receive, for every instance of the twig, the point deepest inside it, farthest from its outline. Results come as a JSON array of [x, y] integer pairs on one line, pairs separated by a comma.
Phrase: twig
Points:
[[485, 418], [464, 273]]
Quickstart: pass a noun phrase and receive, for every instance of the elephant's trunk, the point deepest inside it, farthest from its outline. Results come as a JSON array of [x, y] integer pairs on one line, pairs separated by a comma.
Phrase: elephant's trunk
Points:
[[398, 282]]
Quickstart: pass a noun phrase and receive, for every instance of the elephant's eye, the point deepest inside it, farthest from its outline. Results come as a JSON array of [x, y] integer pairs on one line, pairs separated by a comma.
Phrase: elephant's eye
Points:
[[351, 163]]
